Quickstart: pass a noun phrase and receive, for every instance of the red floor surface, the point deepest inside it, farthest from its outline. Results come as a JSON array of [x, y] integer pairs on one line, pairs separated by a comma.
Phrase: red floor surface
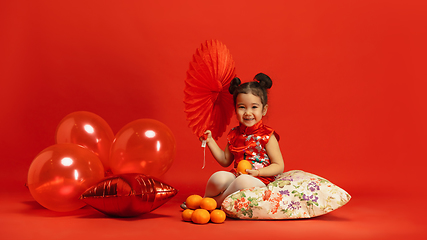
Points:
[[364, 217]]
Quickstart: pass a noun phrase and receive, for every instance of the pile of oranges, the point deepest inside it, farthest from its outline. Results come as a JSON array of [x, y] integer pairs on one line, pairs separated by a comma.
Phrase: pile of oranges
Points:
[[202, 210]]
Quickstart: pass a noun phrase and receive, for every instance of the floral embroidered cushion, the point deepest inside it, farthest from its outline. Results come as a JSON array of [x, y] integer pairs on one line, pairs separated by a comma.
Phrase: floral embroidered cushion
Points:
[[294, 194]]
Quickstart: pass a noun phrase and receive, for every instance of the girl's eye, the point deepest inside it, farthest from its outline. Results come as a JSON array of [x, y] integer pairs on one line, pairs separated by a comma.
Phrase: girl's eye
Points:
[[242, 107], [255, 107]]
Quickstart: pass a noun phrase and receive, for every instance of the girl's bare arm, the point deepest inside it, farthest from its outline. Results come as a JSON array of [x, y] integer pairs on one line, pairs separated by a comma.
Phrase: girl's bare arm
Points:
[[224, 158]]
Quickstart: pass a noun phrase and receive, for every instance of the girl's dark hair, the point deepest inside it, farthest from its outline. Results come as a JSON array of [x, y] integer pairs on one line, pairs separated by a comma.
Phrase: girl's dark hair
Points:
[[258, 87]]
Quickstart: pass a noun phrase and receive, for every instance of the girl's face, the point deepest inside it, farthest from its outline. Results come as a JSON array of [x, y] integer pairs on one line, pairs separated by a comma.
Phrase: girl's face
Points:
[[249, 109]]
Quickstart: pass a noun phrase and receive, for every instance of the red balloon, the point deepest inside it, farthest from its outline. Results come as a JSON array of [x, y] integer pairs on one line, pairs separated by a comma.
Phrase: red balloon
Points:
[[89, 130], [128, 195], [61, 173], [144, 146]]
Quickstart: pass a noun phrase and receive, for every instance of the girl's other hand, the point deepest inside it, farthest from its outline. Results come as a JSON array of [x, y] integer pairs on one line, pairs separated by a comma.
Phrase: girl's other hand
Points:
[[253, 172]]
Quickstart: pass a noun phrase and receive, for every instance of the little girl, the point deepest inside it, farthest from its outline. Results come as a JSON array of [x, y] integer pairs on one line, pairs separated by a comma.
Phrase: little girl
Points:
[[251, 140]]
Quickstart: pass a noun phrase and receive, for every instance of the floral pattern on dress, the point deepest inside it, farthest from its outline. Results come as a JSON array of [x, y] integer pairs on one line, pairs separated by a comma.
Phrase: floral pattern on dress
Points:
[[294, 194], [248, 143]]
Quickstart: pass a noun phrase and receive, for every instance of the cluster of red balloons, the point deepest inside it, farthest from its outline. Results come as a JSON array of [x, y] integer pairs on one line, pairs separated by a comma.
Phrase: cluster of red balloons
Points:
[[86, 151]]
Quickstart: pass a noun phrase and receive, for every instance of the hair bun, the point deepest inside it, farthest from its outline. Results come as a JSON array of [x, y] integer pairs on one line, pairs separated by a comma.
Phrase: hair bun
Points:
[[264, 80], [234, 84]]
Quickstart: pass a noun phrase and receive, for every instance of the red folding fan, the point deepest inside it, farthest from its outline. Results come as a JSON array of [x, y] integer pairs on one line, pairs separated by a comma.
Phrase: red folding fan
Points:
[[208, 104]]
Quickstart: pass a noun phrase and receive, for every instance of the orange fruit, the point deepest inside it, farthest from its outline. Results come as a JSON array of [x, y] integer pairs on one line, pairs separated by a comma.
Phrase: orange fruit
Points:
[[208, 203], [243, 165], [200, 216], [186, 215], [193, 201], [218, 216]]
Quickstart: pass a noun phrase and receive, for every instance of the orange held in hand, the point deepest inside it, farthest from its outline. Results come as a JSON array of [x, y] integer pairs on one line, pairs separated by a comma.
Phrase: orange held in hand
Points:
[[243, 165], [218, 216], [193, 201], [186, 215], [208, 203], [200, 216]]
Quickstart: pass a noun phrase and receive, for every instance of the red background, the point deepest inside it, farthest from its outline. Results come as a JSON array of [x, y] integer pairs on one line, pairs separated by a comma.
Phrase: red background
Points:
[[348, 98]]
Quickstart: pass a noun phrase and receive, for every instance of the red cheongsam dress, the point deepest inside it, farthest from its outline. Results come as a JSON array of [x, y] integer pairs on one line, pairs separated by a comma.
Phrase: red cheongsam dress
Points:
[[248, 143]]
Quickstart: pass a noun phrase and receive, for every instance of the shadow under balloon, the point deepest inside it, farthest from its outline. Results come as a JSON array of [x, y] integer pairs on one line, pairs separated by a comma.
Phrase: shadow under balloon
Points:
[[86, 212], [99, 215]]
